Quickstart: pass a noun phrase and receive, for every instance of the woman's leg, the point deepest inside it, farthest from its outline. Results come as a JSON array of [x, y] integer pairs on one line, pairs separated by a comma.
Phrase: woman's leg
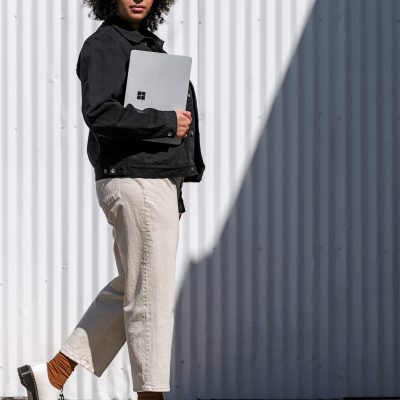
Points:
[[138, 304], [100, 333], [59, 368], [147, 237]]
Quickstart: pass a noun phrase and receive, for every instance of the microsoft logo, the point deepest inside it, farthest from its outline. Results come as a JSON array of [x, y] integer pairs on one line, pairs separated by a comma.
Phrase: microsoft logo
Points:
[[141, 95]]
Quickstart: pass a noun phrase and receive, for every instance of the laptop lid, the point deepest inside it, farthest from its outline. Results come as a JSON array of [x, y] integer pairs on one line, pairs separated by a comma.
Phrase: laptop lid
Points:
[[160, 81]]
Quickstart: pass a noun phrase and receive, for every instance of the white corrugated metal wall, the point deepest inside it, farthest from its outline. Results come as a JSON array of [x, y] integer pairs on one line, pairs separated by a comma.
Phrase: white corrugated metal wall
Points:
[[288, 264]]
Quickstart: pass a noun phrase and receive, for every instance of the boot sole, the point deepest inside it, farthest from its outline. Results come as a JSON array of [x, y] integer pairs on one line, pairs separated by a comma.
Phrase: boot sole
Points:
[[28, 380]]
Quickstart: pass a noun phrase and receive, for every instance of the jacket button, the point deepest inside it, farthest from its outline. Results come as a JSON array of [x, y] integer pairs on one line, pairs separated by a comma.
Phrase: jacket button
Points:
[[191, 133], [112, 170], [170, 133], [105, 170]]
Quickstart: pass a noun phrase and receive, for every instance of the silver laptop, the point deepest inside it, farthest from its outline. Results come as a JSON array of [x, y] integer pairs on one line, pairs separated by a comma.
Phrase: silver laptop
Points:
[[160, 81]]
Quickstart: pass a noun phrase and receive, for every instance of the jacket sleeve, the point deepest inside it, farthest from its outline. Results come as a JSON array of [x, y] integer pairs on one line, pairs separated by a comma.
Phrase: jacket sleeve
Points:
[[198, 158], [102, 70]]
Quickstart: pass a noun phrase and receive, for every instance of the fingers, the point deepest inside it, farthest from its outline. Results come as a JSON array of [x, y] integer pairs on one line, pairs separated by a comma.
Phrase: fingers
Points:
[[183, 123], [188, 114]]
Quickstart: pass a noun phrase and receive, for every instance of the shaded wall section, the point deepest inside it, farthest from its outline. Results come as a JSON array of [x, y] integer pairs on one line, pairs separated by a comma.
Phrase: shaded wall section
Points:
[[299, 298]]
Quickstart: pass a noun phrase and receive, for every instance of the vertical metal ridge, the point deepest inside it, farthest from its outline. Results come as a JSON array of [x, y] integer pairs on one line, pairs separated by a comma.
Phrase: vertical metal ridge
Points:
[[16, 172], [4, 199], [395, 232], [380, 200]]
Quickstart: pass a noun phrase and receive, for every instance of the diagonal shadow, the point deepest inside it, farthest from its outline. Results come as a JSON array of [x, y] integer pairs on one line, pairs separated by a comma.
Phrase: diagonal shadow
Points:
[[299, 298]]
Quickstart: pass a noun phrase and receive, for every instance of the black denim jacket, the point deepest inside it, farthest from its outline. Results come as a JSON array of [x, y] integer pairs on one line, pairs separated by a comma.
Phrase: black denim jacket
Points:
[[115, 146]]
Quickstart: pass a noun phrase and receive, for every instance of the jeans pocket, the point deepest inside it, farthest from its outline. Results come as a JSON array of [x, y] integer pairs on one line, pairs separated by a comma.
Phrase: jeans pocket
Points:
[[108, 192]]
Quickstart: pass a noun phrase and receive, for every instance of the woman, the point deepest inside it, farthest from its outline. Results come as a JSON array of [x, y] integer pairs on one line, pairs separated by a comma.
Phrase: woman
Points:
[[139, 188]]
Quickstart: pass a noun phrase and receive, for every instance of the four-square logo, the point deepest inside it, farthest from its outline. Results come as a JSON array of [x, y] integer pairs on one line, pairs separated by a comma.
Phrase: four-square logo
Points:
[[141, 95]]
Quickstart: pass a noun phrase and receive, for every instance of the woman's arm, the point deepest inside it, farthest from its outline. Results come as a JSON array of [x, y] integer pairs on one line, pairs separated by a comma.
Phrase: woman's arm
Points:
[[198, 158], [102, 70]]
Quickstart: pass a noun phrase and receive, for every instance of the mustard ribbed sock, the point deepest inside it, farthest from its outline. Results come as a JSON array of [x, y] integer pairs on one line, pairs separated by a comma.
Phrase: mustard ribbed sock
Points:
[[150, 396], [59, 369]]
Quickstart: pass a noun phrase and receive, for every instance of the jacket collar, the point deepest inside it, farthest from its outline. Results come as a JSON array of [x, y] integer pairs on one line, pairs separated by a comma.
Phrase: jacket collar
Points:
[[133, 35]]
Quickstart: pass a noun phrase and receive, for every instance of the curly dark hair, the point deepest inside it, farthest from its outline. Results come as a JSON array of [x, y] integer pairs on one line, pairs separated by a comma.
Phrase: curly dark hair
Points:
[[103, 9]]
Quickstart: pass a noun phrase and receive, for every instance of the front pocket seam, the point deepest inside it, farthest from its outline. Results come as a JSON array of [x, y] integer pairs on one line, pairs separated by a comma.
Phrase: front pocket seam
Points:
[[115, 195], [111, 197]]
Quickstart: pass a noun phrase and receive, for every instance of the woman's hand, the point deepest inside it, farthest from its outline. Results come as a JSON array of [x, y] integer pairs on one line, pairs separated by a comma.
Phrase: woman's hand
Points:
[[184, 119]]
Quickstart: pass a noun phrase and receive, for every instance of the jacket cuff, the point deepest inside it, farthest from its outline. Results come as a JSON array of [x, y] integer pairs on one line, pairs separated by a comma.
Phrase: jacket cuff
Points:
[[171, 125]]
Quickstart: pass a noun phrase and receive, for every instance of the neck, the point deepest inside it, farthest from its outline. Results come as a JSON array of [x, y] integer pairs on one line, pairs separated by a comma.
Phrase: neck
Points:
[[132, 24]]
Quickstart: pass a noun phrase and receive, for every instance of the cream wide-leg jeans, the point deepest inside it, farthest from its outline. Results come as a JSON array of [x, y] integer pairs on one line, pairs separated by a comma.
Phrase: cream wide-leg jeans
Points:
[[137, 306]]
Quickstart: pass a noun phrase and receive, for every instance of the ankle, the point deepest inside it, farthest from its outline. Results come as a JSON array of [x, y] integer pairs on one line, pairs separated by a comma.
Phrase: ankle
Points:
[[59, 369], [150, 396]]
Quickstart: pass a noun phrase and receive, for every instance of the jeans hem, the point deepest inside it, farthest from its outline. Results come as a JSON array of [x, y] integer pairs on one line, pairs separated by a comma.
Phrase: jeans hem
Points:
[[84, 363], [147, 388]]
